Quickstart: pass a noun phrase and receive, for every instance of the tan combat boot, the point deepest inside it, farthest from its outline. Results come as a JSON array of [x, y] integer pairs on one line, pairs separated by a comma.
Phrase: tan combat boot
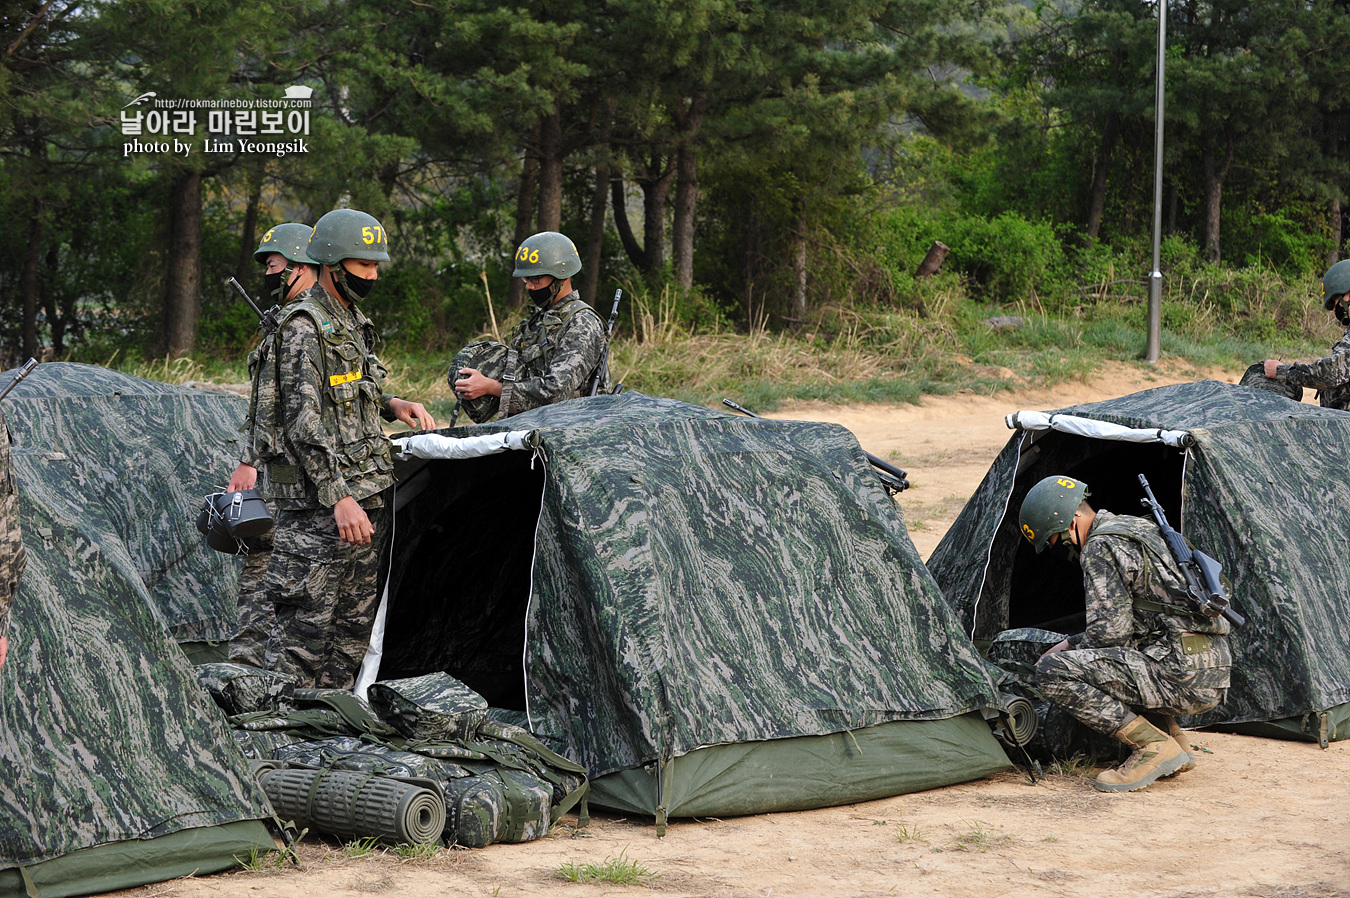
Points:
[[1169, 723], [1155, 755]]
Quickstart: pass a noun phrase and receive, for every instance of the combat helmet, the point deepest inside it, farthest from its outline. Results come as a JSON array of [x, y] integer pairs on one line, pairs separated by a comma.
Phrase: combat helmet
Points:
[[489, 358], [547, 252], [289, 239], [1049, 508], [347, 234], [1335, 284]]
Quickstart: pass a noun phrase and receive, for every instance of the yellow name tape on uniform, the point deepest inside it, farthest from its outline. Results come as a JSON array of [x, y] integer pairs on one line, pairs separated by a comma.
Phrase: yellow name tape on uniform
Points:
[[344, 378]]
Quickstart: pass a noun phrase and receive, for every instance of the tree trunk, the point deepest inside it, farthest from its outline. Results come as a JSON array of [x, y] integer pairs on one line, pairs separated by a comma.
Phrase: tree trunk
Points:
[[655, 184], [595, 241], [182, 294], [56, 315], [636, 254], [1337, 233], [686, 193], [28, 281], [799, 266], [550, 172], [1097, 196], [248, 243], [529, 175], [1216, 168]]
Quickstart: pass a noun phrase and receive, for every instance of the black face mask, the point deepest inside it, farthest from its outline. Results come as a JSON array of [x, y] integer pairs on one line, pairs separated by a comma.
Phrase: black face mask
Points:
[[275, 284], [1065, 550], [544, 296], [352, 288], [1342, 314]]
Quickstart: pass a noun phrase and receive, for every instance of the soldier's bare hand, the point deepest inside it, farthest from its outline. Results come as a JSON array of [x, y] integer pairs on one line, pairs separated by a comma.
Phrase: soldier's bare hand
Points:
[[4, 649], [414, 414], [352, 522], [1270, 366], [245, 477], [473, 383], [1061, 646]]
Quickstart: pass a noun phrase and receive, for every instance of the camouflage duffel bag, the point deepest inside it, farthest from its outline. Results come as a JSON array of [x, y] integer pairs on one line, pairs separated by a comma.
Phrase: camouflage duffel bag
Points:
[[489, 358], [1255, 376], [498, 805], [242, 689], [434, 707]]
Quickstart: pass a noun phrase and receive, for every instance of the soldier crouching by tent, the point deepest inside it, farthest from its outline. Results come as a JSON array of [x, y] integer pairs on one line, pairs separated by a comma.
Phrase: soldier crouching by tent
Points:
[[1144, 652]]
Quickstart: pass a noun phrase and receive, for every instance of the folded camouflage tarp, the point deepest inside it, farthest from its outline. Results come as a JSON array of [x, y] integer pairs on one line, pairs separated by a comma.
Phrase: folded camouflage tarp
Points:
[[1259, 485]]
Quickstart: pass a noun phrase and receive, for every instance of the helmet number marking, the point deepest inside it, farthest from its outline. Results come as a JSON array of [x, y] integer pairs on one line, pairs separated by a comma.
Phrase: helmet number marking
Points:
[[1067, 483], [528, 255], [268, 235], [374, 234]]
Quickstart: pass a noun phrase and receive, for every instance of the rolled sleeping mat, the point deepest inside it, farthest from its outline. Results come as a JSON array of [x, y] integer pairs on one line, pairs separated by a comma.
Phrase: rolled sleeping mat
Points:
[[262, 766], [356, 805]]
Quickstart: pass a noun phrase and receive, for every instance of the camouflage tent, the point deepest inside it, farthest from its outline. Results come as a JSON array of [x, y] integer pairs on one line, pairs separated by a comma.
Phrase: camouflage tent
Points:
[[116, 769], [715, 614], [1255, 480]]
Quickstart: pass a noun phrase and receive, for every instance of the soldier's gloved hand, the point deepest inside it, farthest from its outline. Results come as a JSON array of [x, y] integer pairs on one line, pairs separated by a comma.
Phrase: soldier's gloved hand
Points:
[[352, 522], [414, 414]]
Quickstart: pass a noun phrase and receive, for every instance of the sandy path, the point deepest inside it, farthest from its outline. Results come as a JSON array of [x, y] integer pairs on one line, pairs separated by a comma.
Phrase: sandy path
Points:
[[1259, 817]]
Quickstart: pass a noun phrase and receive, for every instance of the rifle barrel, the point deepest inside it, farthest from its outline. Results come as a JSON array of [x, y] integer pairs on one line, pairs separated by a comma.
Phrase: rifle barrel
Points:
[[248, 299], [23, 372]]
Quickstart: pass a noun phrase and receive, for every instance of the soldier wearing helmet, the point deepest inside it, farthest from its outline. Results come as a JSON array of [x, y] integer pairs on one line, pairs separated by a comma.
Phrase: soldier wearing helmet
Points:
[[287, 272], [1331, 375], [553, 353], [1145, 655], [324, 459]]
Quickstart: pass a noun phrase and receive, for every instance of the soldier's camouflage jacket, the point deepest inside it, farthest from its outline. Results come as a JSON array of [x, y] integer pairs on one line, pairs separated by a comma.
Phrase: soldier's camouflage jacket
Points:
[[315, 424], [12, 556], [1136, 598], [557, 349], [1329, 376]]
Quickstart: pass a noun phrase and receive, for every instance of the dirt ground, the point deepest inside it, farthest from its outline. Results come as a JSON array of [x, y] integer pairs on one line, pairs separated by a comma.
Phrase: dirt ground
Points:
[[1258, 817]]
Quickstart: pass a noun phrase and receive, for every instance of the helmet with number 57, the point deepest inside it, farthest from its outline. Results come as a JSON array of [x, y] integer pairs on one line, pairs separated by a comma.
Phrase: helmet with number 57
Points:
[[348, 234], [1049, 508], [547, 252]]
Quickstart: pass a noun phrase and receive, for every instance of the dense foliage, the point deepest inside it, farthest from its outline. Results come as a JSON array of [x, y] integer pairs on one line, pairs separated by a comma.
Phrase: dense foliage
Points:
[[746, 164]]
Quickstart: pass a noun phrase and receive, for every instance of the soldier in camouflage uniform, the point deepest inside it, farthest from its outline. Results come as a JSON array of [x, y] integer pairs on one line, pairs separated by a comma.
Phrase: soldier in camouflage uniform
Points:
[[1331, 375], [554, 352], [324, 458], [12, 556], [288, 273], [1145, 650]]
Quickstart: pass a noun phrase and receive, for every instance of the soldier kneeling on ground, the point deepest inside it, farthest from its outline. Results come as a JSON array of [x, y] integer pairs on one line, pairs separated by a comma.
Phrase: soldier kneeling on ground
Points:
[[1145, 653]]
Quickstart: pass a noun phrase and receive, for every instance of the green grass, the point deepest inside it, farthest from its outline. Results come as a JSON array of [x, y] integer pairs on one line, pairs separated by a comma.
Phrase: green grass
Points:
[[1211, 318], [362, 847], [262, 861], [423, 852], [618, 870]]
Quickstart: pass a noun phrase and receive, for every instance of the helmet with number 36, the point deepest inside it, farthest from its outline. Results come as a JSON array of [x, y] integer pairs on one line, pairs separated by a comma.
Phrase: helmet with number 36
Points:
[[348, 234], [547, 252]]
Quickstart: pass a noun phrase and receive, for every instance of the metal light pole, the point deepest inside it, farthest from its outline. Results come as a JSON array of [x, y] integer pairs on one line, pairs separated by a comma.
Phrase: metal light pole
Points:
[[1154, 348]]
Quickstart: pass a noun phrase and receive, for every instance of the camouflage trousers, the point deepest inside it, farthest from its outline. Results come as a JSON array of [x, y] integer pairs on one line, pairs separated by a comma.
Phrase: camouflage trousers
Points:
[[256, 611], [12, 557], [323, 593], [1105, 688]]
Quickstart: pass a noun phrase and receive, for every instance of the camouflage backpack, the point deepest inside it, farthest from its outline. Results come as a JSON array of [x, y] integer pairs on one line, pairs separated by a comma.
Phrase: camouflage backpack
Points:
[[434, 707], [490, 358], [1255, 376]]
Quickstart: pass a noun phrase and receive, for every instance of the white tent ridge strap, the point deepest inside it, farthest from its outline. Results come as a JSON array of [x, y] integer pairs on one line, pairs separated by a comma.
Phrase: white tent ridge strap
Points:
[[438, 446], [1098, 430]]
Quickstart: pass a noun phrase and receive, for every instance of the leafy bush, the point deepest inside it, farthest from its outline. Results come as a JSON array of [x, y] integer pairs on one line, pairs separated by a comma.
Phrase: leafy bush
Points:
[[1008, 257]]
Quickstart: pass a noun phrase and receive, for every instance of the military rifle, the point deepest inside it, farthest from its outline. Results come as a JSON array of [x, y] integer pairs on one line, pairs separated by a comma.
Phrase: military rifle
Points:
[[598, 378], [891, 477], [23, 372], [267, 321], [1203, 583]]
